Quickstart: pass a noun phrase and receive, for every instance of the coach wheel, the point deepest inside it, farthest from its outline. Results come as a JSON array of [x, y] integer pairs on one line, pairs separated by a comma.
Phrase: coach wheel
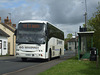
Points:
[[59, 54], [49, 56], [60, 51], [24, 59]]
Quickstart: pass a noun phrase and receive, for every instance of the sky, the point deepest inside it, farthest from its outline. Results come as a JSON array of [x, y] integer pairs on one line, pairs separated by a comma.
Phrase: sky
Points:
[[67, 15]]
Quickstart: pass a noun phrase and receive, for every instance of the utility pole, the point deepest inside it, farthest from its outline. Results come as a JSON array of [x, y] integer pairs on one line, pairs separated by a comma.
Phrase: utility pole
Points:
[[85, 13], [75, 44]]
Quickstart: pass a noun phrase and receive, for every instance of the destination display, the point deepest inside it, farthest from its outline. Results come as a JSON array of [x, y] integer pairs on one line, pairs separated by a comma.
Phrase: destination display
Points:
[[31, 26]]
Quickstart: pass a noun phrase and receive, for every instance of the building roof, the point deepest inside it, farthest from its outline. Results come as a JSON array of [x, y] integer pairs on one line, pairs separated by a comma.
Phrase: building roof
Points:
[[9, 27], [72, 40], [86, 33], [2, 33]]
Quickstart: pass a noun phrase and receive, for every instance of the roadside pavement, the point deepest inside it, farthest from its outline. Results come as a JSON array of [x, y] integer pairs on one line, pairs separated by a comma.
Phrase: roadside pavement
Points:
[[7, 57]]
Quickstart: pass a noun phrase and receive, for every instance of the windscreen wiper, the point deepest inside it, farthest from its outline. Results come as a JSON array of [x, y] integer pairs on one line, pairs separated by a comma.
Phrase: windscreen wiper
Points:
[[34, 42], [38, 43]]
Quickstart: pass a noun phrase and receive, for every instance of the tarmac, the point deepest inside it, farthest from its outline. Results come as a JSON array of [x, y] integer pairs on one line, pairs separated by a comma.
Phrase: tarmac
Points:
[[35, 70]]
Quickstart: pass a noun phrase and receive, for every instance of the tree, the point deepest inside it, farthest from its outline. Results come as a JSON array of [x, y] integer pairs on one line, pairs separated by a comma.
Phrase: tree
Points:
[[69, 36], [94, 24]]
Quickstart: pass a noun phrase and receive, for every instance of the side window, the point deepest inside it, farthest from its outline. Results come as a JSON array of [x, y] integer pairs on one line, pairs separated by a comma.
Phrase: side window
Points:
[[73, 43], [59, 42], [69, 43], [69, 48], [53, 32]]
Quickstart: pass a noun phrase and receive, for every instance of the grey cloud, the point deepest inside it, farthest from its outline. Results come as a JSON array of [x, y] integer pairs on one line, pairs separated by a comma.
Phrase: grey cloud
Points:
[[55, 11], [59, 11], [67, 14], [69, 11], [64, 12], [4, 14]]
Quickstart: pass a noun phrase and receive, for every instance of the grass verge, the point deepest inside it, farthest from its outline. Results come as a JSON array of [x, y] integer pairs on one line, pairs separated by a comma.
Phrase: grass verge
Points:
[[74, 67], [4, 55]]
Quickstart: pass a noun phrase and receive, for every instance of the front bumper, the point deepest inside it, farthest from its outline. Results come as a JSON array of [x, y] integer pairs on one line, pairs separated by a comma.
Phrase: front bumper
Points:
[[30, 55]]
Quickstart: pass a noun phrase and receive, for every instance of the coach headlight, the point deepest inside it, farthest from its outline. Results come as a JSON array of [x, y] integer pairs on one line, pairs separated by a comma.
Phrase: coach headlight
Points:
[[17, 53], [17, 49], [40, 50]]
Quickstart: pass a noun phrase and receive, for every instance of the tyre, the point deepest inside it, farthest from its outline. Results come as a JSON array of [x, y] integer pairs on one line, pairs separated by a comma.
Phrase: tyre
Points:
[[59, 54], [24, 59], [49, 56]]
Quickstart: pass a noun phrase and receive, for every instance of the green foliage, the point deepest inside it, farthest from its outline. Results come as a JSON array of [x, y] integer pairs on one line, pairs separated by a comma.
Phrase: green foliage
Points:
[[4, 55], [65, 43], [69, 36], [83, 25], [94, 24]]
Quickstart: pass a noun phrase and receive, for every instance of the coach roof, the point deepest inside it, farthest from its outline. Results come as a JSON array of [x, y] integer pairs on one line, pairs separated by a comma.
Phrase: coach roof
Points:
[[33, 21]]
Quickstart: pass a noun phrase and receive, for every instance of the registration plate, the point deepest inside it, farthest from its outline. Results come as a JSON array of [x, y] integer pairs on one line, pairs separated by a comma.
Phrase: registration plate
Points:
[[28, 54]]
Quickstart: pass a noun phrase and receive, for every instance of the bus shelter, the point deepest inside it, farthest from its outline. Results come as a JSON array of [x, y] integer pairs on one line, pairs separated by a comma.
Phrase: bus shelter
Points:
[[85, 42]]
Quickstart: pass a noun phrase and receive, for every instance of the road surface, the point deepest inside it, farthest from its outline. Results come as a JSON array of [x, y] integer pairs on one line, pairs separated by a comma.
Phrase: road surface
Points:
[[12, 66]]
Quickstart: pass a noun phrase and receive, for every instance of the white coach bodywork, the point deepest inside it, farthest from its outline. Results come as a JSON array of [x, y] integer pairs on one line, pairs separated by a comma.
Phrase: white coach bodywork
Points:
[[54, 45]]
